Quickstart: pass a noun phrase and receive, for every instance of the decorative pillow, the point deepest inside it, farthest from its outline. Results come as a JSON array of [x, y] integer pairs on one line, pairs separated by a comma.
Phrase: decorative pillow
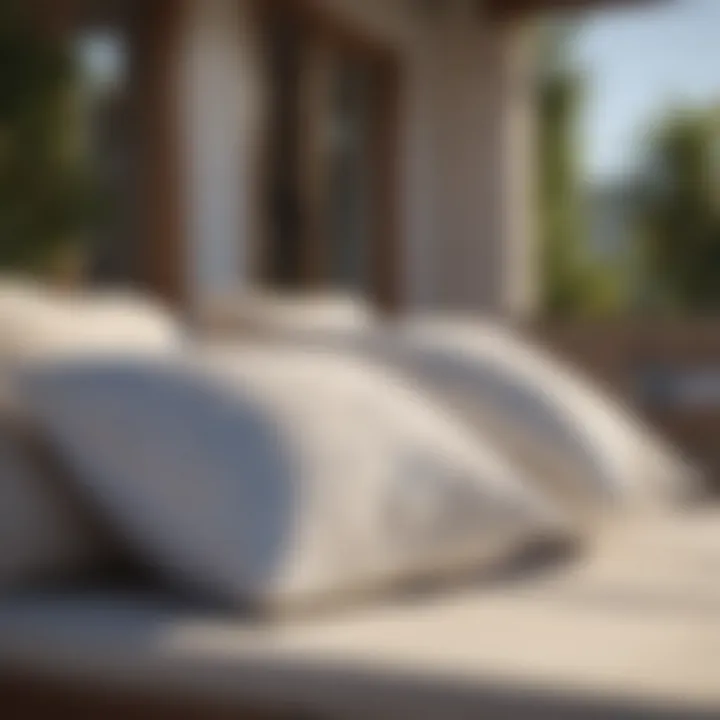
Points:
[[37, 322], [289, 317], [43, 533], [569, 436], [279, 479]]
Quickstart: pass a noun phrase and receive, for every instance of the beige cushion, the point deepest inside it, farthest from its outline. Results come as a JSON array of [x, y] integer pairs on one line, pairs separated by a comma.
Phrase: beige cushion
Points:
[[571, 437], [631, 632], [282, 479], [36, 322], [276, 316], [573, 440], [43, 533]]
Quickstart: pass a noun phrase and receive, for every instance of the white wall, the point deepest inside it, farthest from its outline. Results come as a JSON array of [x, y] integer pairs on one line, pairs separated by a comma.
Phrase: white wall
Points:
[[481, 109], [467, 153], [464, 150], [220, 100]]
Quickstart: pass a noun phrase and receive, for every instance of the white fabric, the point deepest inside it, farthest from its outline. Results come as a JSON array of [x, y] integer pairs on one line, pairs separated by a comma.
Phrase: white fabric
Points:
[[274, 316], [37, 322], [570, 437], [568, 434], [42, 533], [282, 478]]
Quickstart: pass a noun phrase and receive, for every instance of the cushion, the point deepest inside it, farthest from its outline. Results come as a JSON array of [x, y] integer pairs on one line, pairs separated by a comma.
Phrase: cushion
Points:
[[630, 633], [44, 534], [37, 322], [289, 317], [587, 449], [590, 452], [282, 480]]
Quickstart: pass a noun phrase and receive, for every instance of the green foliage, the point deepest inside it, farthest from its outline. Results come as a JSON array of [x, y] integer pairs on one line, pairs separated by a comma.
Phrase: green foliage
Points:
[[44, 192], [672, 263], [559, 206], [680, 213], [573, 283]]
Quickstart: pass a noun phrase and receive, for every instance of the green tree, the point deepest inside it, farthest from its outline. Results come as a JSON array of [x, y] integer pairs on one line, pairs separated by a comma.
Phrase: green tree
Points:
[[680, 213], [573, 282], [44, 191]]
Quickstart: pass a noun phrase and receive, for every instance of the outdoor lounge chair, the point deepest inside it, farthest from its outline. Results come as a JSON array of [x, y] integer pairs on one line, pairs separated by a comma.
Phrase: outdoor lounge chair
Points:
[[632, 632], [627, 628]]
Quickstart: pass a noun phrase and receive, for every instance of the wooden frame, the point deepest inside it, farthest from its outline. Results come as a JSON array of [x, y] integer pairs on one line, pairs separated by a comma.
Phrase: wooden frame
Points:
[[155, 33], [24, 698], [510, 9]]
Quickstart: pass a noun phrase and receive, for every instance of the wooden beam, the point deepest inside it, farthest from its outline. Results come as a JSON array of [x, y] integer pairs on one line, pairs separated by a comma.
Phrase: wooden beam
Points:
[[59, 18], [509, 9], [387, 256], [155, 34]]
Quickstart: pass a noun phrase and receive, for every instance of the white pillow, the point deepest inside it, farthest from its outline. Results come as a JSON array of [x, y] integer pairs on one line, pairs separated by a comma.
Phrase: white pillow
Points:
[[282, 478], [274, 316], [44, 535], [570, 436], [36, 322]]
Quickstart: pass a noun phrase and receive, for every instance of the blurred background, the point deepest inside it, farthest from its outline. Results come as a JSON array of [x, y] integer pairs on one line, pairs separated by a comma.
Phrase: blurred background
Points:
[[557, 168], [629, 113], [626, 103]]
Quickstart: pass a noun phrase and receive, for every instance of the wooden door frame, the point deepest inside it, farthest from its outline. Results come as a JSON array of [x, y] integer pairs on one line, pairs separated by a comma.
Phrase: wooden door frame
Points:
[[326, 27], [161, 263]]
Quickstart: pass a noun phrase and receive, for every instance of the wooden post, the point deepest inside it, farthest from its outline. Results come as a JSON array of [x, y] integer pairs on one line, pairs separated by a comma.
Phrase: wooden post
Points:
[[155, 35]]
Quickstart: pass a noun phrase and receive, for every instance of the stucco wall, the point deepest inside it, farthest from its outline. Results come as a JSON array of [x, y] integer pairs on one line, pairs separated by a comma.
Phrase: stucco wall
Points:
[[481, 114], [219, 103], [463, 154]]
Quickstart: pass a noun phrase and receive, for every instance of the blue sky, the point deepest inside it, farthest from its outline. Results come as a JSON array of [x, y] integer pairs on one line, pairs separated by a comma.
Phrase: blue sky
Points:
[[640, 62]]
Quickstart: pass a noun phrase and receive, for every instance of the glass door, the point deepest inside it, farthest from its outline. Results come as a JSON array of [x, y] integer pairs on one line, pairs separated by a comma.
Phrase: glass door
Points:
[[350, 210], [331, 182]]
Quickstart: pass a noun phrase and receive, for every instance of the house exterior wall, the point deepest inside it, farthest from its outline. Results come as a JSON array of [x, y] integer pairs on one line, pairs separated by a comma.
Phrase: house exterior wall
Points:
[[219, 106], [480, 115], [464, 155]]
